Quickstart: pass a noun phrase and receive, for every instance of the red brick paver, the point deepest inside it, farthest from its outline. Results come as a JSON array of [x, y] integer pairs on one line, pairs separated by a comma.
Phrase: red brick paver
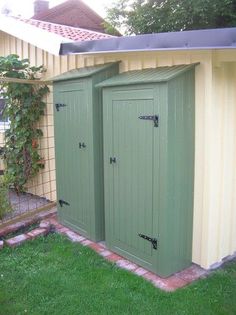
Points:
[[45, 224], [140, 271], [191, 274], [17, 240], [36, 232], [126, 264], [172, 283], [113, 257], [97, 247], [74, 237]]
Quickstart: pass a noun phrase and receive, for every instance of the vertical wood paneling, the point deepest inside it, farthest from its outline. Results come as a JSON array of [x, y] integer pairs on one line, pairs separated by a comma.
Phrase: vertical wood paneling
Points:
[[223, 169], [56, 66], [39, 57], [19, 44], [89, 61], [25, 50], [64, 63], [32, 54], [12, 44], [72, 62]]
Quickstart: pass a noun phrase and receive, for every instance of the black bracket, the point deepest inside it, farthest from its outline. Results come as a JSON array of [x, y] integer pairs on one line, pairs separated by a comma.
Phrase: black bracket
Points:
[[58, 105], [62, 202], [155, 119], [150, 239]]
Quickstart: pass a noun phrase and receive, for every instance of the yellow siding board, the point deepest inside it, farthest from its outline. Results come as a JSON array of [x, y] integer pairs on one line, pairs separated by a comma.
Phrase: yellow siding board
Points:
[[64, 63], [72, 62], [12, 44]]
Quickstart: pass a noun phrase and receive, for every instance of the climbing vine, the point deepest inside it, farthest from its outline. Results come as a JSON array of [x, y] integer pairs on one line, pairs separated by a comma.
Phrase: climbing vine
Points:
[[24, 108]]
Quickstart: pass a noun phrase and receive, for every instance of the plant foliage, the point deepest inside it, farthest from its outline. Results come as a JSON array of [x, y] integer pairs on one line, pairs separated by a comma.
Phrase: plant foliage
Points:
[[5, 206], [152, 16], [24, 108]]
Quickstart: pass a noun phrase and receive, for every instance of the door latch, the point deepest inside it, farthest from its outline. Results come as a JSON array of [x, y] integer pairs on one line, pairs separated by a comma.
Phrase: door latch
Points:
[[58, 105], [155, 119], [112, 160], [63, 202], [82, 145], [150, 239]]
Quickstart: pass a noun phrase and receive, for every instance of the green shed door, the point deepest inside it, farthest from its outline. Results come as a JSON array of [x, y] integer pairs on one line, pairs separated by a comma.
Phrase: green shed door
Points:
[[72, 154], [132, 139]]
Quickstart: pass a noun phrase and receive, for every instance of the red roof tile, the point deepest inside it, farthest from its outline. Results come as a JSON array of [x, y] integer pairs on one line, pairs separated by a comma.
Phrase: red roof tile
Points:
[[73, 33], [73, 13]]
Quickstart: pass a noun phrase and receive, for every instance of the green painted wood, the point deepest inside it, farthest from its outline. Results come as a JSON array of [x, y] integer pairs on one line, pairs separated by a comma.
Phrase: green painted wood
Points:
[[79, 172], [72, 163], [177, 173], [152, 75], [129, 182], [87, 72], [150, 188]]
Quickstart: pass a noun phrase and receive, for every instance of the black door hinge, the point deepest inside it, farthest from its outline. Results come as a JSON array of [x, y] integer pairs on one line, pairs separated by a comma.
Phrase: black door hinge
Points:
[[63, 202], [150, 239], [58, 105], [155, 119]]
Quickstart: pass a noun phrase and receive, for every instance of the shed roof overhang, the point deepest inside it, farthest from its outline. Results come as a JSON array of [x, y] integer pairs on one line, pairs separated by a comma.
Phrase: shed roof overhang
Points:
[[224, 38], [82, 72], [159, 74]]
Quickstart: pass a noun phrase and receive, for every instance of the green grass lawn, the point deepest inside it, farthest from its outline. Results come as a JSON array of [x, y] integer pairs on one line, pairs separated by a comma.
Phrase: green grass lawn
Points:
[[54, 276]]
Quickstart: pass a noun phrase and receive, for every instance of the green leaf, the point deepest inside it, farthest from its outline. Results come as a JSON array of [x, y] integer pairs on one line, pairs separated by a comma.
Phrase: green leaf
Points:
[[24, 107]]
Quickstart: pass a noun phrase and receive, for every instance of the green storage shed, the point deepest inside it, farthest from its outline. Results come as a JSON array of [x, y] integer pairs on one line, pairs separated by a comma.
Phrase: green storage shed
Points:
[[148, 119], [79, 150]]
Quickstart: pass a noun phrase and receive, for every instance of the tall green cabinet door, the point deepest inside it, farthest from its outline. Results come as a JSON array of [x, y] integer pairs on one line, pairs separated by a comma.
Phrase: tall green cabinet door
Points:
[[79, 148], [132, 175], [129, 159], [73, 150], [148, 119]]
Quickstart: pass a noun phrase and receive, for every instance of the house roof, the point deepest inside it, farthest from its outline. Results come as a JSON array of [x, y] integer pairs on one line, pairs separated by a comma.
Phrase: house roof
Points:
[[73, 13], [45, 35], [224, 38], [73, 33]]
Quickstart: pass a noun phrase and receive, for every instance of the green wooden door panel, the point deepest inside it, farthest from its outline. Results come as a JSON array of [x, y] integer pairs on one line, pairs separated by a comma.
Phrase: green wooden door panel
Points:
[[132, 205], [149, 189], [72, 162]]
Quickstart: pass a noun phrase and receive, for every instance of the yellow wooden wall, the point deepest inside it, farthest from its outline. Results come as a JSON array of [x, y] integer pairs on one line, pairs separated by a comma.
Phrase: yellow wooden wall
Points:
[[214, 235]]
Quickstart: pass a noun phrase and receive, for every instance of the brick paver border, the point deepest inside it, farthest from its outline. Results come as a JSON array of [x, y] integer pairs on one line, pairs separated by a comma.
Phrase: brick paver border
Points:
[[49, 222]]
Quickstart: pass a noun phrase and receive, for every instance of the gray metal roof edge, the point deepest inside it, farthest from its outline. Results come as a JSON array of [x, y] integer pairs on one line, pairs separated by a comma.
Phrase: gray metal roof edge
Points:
[[109, 83], [100, 67], [221, 38]]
